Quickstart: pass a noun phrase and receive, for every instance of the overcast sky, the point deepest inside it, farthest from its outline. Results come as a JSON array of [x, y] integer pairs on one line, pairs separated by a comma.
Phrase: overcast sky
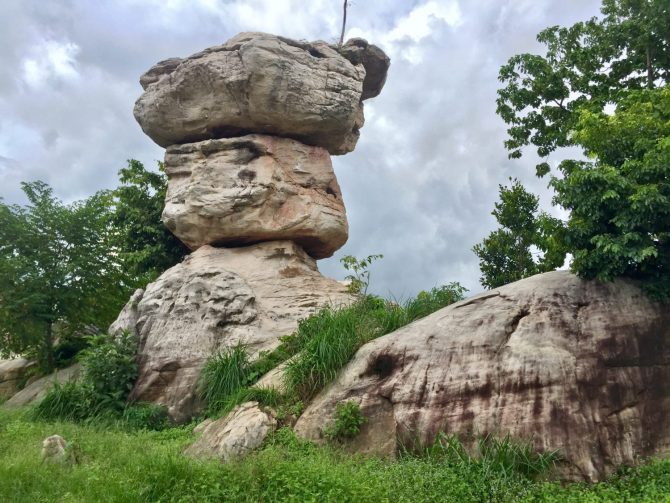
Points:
[[421, 184]]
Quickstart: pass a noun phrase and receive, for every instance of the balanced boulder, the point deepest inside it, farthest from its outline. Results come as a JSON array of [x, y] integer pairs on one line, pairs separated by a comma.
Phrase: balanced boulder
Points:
[[261, 83], [577, 366], [215, 299], [255, 188]]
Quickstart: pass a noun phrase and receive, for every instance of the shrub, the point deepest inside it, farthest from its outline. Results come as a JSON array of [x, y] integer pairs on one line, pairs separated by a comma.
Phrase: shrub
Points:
[[109, 371], [327, 340], [110, 368], [501, 456], [72, 401], [348, 421], [146, 416]]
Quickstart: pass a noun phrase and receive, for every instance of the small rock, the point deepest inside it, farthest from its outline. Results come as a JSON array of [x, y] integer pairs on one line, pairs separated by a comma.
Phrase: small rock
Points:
[[54, 449], [235, 435]]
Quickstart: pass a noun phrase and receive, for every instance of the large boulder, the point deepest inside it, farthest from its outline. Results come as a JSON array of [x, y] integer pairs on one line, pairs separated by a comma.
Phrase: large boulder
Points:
[[578, 366], [35, 391], [13, 375], [261, 83], [234, 436], [251, 189], [217, 298]]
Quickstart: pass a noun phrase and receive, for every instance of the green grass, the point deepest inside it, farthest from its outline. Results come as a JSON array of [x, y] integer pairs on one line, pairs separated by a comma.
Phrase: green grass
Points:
[[223, 375], [326, 341], [118, 465]]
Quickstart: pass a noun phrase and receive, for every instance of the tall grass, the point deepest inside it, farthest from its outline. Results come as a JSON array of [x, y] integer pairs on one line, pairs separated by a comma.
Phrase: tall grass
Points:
[[503, 456], [223, 375], [327, 340]]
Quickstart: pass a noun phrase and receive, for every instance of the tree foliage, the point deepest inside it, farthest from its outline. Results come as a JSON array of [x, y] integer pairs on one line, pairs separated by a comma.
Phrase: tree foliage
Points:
[[148, 248], [602, 86], [507, 254], [586, 67], [620, 201], [57, 265]]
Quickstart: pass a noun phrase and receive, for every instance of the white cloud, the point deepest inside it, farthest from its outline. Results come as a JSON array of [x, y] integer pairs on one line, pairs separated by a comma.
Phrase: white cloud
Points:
[[50, 60], [419, 23]]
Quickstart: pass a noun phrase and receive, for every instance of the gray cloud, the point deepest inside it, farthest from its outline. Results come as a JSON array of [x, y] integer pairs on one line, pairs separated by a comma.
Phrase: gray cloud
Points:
[[421, 184]]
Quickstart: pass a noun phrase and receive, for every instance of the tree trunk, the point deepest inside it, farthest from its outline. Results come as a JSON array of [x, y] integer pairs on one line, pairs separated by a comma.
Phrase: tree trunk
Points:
[[344, 23], [650, 70], [49, 349]]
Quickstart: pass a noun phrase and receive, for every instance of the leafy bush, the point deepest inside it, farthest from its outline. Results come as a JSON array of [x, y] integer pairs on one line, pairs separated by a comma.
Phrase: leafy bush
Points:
[[348, 421], [149, 416], [72, 401], [223, 375], [109, 371], [359, 279], [110, 368]]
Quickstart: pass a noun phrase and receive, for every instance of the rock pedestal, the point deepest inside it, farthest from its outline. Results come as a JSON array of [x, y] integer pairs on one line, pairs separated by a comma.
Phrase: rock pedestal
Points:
[[261, 83], [217, 298]]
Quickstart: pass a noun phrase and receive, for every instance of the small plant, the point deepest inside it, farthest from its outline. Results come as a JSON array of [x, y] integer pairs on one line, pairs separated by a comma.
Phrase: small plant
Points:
[[502, 456], [359, 279], [109, 371], [348, 422], [223, 375], [146, 416]]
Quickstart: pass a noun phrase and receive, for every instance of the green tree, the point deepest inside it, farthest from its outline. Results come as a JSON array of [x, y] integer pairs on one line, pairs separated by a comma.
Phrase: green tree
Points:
[[147, 247], [586, 67], [506, 255], [620, 201], [602, 86], [58, 265]]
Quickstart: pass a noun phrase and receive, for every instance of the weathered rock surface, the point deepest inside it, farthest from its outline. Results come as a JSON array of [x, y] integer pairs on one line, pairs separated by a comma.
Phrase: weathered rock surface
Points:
[[217, 298], [35, 391], [251, 189], [12, 372], [54, 450], [574, 365], [262, 83], [235, 435], [373, 59]]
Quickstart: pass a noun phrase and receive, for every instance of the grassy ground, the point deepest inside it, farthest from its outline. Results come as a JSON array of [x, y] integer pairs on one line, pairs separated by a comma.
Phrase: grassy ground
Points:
[[117, 465]]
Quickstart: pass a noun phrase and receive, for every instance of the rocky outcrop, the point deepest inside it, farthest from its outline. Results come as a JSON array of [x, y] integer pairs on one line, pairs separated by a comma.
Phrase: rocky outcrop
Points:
[[215, 299], [255, 188], [578, 366], [35, 391], [262, 83], [235, 435], [13, 375]]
